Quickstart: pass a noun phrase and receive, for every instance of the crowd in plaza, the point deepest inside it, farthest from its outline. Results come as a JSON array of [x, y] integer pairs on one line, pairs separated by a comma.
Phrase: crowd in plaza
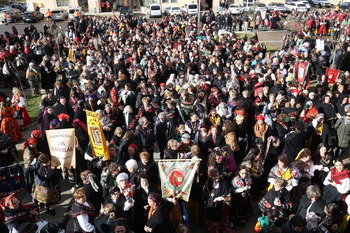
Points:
[[184, 91]]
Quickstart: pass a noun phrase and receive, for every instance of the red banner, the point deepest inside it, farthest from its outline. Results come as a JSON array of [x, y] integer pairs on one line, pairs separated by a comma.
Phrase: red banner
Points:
[[332, 75], [301, 73]]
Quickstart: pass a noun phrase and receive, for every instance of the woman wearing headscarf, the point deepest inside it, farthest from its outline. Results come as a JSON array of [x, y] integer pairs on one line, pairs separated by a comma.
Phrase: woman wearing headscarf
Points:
[[65, 122], [46, 189], [9, 125], [15, 213], [141, 201], [83, 213], [261, 131], [158, 216], [42, 145]]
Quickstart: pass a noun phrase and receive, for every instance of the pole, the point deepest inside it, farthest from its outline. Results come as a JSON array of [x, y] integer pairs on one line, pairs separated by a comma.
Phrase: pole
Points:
[[198, 17]]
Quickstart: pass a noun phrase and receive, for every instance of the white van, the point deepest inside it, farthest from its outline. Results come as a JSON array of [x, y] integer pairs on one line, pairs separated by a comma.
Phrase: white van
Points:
[[154, 10], [71, 11], [190, 8]]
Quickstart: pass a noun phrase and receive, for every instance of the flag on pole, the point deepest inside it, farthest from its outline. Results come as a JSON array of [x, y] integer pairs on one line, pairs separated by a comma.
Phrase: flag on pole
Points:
[[62, 147], [302, 72], [332, 75], [177, 177], [96, 136]]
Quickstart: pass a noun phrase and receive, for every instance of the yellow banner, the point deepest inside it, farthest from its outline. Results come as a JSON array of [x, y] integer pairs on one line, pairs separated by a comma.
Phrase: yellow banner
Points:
[[62, 147], [96, 136]]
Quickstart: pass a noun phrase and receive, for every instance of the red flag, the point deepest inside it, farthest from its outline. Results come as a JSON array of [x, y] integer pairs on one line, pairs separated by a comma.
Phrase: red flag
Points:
[[332, 75]]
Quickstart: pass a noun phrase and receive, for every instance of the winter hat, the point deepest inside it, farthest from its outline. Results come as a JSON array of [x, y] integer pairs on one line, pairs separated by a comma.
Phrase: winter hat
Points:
[[122, 176], [185, 136], [260, 118], [131, 164]]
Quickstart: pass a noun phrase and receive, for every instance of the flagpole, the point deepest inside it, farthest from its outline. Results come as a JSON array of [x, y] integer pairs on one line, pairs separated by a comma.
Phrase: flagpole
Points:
[[175, 160]]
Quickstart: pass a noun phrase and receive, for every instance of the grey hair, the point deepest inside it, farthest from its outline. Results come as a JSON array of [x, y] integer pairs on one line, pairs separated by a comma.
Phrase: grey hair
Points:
[[142, 120], [128, 109], [313, 191]]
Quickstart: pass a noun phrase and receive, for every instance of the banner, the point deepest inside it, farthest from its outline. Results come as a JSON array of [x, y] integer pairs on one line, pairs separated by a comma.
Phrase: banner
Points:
[[96, 136], [62, 147], [332, 75], [301, 73], [177, 177], [11, 180]]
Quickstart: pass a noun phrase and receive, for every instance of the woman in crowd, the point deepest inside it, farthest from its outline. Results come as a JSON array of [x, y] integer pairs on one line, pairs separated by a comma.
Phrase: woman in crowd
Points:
[[158, 216], [19, 103], [14, 213], [284, 169], [311, 202], [83, 213], [216, 194], [241, 200], [323, 163], [331, 223], [254, 163], [278, 198], [337, 183], [46, 189], [306, 168]]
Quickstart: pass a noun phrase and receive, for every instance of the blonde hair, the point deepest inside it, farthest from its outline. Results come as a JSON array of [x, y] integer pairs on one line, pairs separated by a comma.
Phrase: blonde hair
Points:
[[79, 194], [17, 91]]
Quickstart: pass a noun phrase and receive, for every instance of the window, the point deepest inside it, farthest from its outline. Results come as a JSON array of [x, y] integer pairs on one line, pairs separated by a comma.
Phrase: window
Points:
[[173, 1], [63, 2], [165, 1]]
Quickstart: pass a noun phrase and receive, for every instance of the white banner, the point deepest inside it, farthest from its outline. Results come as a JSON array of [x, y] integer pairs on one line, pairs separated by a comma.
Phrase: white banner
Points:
[[62, 147], [177, 177]]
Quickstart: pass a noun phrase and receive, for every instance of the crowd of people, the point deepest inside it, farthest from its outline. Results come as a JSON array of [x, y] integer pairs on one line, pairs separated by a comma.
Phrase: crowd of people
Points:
[[183, 92]]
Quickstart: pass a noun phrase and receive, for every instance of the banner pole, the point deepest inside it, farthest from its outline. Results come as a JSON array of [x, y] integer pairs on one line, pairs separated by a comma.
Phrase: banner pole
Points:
[[174, 160]]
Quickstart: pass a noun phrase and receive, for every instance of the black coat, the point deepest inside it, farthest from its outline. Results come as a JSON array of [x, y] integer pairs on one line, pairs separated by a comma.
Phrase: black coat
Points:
[[159, 221], [317, 207], [294, 142]]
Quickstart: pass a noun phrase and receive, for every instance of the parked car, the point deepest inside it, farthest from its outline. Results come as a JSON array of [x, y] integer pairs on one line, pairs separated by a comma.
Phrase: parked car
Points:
[[296, 6], [235, 9], [260, 7], [345, 6], [71, 11], [154, 10], [307, 4], [190, 8], [59, 14], [248, 7], [173, 10], [32, 16], [126, 11], [276, 6], [321, 3], [13, 15], [20, 7]]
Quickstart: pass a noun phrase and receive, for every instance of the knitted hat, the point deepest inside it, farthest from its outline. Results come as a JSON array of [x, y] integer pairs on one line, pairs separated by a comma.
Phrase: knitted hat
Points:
[[122, 176]]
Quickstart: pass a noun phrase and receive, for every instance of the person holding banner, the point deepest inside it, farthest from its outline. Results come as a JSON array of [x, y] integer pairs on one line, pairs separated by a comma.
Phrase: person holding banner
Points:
[[46, 189]]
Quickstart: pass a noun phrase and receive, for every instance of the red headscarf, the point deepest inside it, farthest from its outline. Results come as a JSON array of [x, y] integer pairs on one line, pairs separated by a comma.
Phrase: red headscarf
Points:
[[36, 134], [337, 177], [6, 202], [30, 141]]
